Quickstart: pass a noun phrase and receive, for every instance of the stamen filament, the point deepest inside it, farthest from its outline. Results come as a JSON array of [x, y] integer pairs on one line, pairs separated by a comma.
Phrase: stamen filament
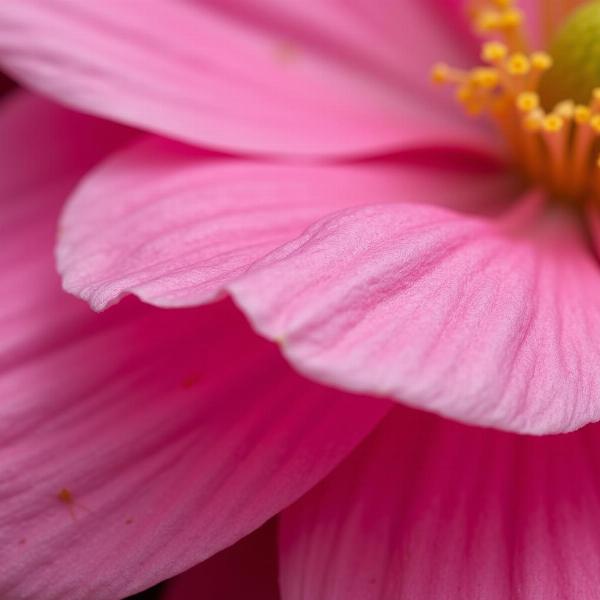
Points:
[[553, 147]]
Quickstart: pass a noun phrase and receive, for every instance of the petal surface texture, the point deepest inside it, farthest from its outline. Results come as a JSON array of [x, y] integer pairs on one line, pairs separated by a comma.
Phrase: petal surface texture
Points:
[[429, 509], [334, 78], [490, 321], [174, 226], [136, 443]]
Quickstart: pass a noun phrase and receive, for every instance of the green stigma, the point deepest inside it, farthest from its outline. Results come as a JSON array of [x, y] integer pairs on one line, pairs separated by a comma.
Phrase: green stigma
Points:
[[576, 54]]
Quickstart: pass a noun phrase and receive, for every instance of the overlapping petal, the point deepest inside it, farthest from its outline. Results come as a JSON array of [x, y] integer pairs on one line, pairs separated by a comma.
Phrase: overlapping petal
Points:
[[491, 321], [246, 570], [280, 77], [174, 226], [429, 509], [45, 150], [136, 443]]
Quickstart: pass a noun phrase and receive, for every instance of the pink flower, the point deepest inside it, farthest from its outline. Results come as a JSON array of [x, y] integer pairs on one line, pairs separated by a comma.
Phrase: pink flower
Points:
[[357, 219], [137, 443]]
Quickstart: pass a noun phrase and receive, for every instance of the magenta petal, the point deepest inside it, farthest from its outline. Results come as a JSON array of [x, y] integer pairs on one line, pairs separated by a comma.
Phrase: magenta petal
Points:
[[178, 433], [136, 443], [427, 509], [174, 226], [483, 320], [247, 570], [270, 77]]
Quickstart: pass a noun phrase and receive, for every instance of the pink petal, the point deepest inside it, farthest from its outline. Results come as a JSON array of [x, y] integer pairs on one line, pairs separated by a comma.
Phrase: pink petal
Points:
[[6, 85], [167, 224], [427, 509], [246, 570], [534, 21], [177, 433], [246, 75], [136, 443], [45, 150], [488, 321], [77, 142]]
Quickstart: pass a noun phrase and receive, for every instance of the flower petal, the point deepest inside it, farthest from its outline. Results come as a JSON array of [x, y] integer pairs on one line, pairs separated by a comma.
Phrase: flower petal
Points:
[[44, 152], [173, 227], [136, 443], [489, 321], [245, 75], [246, 570], [177, 434], [428, 509], [6, 85]]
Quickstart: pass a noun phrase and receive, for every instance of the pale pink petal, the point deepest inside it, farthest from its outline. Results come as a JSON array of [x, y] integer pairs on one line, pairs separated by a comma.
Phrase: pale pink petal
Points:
[[270, 76], [136, 443], [427, 509], [247, 570], [173, 226], [491, 321]]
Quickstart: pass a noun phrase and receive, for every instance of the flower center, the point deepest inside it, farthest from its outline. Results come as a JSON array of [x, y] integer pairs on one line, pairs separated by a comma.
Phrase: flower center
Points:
[[576, 52], [545, 104]]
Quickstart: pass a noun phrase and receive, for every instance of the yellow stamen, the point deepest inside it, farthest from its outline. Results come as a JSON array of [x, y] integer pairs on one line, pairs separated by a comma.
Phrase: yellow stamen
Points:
[[494, 52], [518, 64], [485, 77], [541, 61], [532, 125], [441, 73], [554, 147], [565, 109], [528, 101], [553, 123], [511, 19], [503, 3], [582, 114]]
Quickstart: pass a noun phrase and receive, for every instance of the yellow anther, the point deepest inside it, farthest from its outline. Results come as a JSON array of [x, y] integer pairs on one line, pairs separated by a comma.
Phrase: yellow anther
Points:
[[489, 20], [595, 123], [518, 64], [553, 123], [582, 114], [486, 78], [565, 109], [534, 120], [494, 52], [541, 61], [440, 73], [528, 101], [511, 19], [524, 92]]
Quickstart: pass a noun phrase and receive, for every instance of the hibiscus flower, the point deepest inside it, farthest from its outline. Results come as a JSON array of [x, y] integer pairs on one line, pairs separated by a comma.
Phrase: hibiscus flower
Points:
[[298, 160]]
